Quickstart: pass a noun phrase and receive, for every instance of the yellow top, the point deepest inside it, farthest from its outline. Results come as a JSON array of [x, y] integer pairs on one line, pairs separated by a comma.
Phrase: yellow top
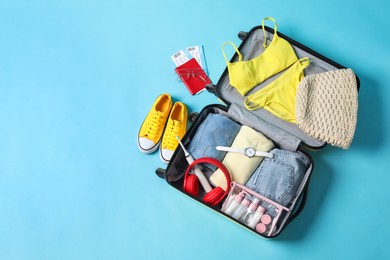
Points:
[[244, 75], [278, 97]]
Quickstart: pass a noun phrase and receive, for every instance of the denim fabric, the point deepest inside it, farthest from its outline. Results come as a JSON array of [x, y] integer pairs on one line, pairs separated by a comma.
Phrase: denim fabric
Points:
[[216, 129], [278, 178]]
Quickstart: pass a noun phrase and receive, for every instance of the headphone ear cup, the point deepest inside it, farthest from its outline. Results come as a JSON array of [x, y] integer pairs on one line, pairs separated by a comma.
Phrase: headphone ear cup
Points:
[[214, 196], [191, 185]]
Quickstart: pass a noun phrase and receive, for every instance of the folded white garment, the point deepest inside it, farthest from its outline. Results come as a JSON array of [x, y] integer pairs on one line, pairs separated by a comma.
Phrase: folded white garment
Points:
[[239, 165]]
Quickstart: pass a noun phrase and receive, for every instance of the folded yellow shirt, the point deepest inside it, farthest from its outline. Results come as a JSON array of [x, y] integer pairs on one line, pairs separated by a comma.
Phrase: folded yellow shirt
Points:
[[239, 165]]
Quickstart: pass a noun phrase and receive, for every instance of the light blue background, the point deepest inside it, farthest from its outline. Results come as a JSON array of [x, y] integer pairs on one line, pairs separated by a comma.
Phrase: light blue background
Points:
[[78, 77]]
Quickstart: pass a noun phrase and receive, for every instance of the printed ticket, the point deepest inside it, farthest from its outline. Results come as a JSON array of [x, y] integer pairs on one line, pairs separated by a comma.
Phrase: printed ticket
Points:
[[198, 53], [179, 58]]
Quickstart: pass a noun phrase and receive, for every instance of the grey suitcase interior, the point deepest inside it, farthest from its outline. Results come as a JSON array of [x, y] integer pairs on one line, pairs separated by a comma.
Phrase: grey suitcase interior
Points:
[[251, 47]]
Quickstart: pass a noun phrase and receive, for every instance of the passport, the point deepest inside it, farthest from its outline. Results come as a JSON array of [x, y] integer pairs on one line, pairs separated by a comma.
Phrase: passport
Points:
[[193, 76]]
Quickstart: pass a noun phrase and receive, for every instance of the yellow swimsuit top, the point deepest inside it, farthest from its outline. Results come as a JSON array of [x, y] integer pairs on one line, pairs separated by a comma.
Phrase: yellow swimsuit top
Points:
[[278, 97], [277, 56]]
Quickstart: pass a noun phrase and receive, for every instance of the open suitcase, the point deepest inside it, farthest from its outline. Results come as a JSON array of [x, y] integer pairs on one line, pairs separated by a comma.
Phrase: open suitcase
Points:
[[286, 136]]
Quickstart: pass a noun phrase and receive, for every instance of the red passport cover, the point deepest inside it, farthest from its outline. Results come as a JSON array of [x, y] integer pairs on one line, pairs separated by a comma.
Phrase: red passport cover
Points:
[[193, 76]]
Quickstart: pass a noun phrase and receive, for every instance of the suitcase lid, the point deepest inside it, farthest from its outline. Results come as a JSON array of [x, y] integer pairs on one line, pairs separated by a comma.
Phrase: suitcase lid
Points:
[[252, 46]]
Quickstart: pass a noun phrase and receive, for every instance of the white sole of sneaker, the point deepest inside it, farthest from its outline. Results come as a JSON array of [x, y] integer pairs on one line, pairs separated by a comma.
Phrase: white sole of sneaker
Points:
[[162, 159], [154, 148]]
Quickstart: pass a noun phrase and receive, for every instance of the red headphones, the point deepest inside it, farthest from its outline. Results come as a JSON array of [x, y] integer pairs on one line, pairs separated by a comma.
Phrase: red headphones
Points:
[[191, 183]]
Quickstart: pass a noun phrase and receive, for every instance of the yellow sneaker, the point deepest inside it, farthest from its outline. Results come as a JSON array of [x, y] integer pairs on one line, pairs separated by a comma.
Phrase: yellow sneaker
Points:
[[151, 132], [176, 126]]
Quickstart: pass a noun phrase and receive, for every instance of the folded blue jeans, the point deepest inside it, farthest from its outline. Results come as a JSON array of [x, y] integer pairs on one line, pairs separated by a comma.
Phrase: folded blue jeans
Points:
[[216, 129], [278, 178]]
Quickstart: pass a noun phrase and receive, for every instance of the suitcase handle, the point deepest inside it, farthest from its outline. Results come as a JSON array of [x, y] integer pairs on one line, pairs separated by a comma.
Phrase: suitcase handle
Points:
[[160, 172]]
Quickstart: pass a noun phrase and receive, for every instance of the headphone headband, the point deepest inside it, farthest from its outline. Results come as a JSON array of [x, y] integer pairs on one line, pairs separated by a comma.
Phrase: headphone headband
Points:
[[216, 163]]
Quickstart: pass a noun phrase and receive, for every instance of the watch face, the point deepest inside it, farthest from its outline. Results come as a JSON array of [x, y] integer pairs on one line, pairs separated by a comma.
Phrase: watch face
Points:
[[250, 152]]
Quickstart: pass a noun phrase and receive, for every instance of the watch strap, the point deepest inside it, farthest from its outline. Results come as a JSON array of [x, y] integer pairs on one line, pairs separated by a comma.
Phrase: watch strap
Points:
[[242, 151]]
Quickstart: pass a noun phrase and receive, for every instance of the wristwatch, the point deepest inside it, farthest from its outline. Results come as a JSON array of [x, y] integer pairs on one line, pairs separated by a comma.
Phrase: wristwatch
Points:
[[248, 151]]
